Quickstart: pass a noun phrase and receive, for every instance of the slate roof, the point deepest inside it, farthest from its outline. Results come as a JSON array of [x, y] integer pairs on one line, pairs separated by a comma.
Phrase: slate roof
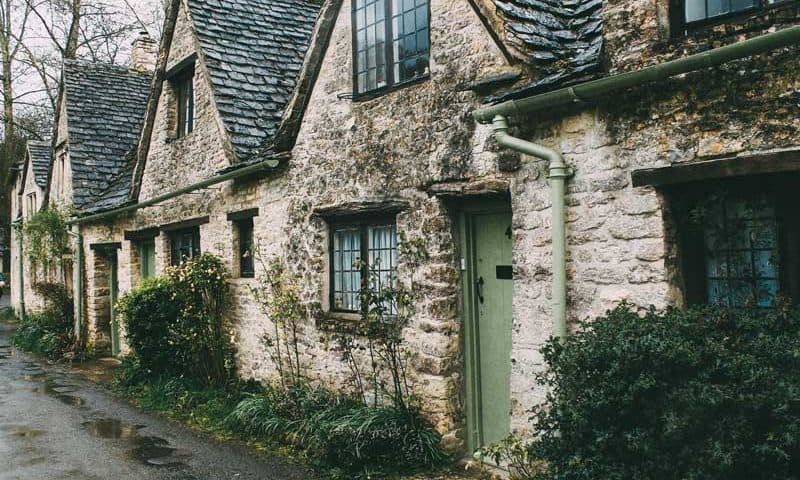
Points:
[[41, 156], [105, 112], [563, 39], [254, 50]]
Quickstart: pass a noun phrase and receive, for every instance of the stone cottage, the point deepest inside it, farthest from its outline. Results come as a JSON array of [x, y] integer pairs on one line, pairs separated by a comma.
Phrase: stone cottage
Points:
[[29, 181], [98, 124], [341, 140]]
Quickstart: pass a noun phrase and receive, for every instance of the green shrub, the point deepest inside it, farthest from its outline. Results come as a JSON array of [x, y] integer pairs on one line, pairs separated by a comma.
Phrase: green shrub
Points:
[[204, 337], [340, 434], [176, 325], [704, 394], [49, 333], [150, 315]]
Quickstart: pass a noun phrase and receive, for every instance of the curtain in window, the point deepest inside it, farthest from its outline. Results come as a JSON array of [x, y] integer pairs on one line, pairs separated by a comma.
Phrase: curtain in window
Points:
[[347, 269], [382, 250]]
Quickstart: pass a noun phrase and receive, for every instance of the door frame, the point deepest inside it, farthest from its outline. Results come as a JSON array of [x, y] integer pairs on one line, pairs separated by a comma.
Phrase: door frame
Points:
[[113, 279], [467, 210]]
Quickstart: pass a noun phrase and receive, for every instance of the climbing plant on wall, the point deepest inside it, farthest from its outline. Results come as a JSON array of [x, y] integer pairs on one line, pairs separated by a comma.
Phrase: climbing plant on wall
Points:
[[46, 237]]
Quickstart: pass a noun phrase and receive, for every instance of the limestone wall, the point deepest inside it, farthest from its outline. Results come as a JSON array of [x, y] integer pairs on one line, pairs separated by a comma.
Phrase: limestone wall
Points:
[[401, 144]]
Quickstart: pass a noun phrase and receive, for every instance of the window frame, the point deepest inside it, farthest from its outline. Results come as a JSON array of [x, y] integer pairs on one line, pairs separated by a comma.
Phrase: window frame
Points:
[[391, 84], [683, 26], [245, 224], [692, 261], [30, 199], [180, 233], [183, 82], [363, 224]]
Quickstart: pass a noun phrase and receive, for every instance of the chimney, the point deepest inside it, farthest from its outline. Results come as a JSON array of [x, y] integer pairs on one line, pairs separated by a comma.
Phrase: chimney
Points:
[[144, 53]]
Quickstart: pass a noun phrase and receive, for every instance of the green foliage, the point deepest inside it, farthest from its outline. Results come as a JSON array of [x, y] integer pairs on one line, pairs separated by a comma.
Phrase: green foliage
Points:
[[279, 299], [707, 393], [339, 434], [46, 237], [177, 325], [150, 315], [514, 455], [49, 333], [201, 289]]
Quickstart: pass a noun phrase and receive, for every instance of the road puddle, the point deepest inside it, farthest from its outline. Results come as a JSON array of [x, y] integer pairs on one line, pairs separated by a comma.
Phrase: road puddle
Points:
[[150, 450], [21, 431], [61, 392]]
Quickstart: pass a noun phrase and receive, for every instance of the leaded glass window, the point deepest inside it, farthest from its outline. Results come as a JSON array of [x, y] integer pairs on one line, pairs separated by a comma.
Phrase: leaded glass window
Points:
[[347, 269], [696, 11], [391, 43], [363, 255], [184, 245], [742, 259], [410, 39]]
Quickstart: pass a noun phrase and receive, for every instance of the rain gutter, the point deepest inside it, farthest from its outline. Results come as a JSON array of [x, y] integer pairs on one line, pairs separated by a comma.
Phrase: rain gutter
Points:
[[593, 90], [262, 165]]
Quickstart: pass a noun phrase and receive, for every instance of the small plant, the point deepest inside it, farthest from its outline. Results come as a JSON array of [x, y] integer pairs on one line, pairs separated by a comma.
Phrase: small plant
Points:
[[49, 333], [280, 301]]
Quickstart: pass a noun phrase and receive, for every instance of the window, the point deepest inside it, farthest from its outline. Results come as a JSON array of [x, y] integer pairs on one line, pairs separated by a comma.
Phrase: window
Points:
[[246, 262], [31, 205], [701, 11], [351, 244], [391, 43], [147, 258], [183, 84], [739, 245], [184, 245]]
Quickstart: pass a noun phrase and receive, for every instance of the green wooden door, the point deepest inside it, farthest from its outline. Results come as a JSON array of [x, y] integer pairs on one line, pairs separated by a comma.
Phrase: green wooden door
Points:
[[147, 259], [114, 293], [489, 293]]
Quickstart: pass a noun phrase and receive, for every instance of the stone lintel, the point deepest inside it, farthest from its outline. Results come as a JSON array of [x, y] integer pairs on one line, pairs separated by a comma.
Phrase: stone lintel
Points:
[[373, 206], [474, 188], [146, 234], [755, 164], [242, 214], [185, 224]]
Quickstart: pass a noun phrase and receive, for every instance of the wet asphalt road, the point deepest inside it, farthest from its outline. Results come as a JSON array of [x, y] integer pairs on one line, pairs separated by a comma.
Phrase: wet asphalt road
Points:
[[55, 424]]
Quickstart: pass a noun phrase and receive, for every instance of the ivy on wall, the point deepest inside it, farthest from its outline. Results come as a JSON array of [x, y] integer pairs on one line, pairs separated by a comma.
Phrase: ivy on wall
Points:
[[46, 237]]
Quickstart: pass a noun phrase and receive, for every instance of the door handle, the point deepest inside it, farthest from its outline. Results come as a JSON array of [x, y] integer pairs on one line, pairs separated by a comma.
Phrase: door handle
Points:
[[479, 289]]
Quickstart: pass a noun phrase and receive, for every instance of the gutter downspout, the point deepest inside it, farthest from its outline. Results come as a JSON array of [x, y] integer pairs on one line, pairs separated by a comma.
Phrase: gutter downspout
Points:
[[496, 114], [78, 292], [18, 224], [558, 174]]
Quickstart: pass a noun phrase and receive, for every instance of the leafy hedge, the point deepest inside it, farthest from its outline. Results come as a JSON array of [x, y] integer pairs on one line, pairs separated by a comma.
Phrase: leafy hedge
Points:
[[702, 394], [49, 333], [150, 313], [176, 325]]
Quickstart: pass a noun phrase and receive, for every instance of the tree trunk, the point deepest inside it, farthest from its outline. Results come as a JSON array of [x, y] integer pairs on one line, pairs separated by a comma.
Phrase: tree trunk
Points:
[[71, 49]]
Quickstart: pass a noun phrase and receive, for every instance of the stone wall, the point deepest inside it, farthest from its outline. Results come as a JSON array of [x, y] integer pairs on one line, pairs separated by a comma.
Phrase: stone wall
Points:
[[401, 144]]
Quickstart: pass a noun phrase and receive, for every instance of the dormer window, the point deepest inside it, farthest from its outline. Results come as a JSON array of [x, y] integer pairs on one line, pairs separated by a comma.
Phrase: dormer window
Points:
[[391, 43], [183, 85]]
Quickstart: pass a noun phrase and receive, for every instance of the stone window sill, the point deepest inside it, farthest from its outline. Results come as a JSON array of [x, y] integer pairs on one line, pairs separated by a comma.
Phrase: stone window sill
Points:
[[243, 281]]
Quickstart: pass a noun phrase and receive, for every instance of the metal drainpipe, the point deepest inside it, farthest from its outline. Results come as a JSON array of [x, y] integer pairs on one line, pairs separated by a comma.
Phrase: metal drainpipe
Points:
[[21, 271], [78, 292], [592, 90], [558, 174]]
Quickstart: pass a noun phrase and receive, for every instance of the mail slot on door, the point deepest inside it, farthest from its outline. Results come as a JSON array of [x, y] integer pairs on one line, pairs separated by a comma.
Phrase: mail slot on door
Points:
[[504, 272]]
